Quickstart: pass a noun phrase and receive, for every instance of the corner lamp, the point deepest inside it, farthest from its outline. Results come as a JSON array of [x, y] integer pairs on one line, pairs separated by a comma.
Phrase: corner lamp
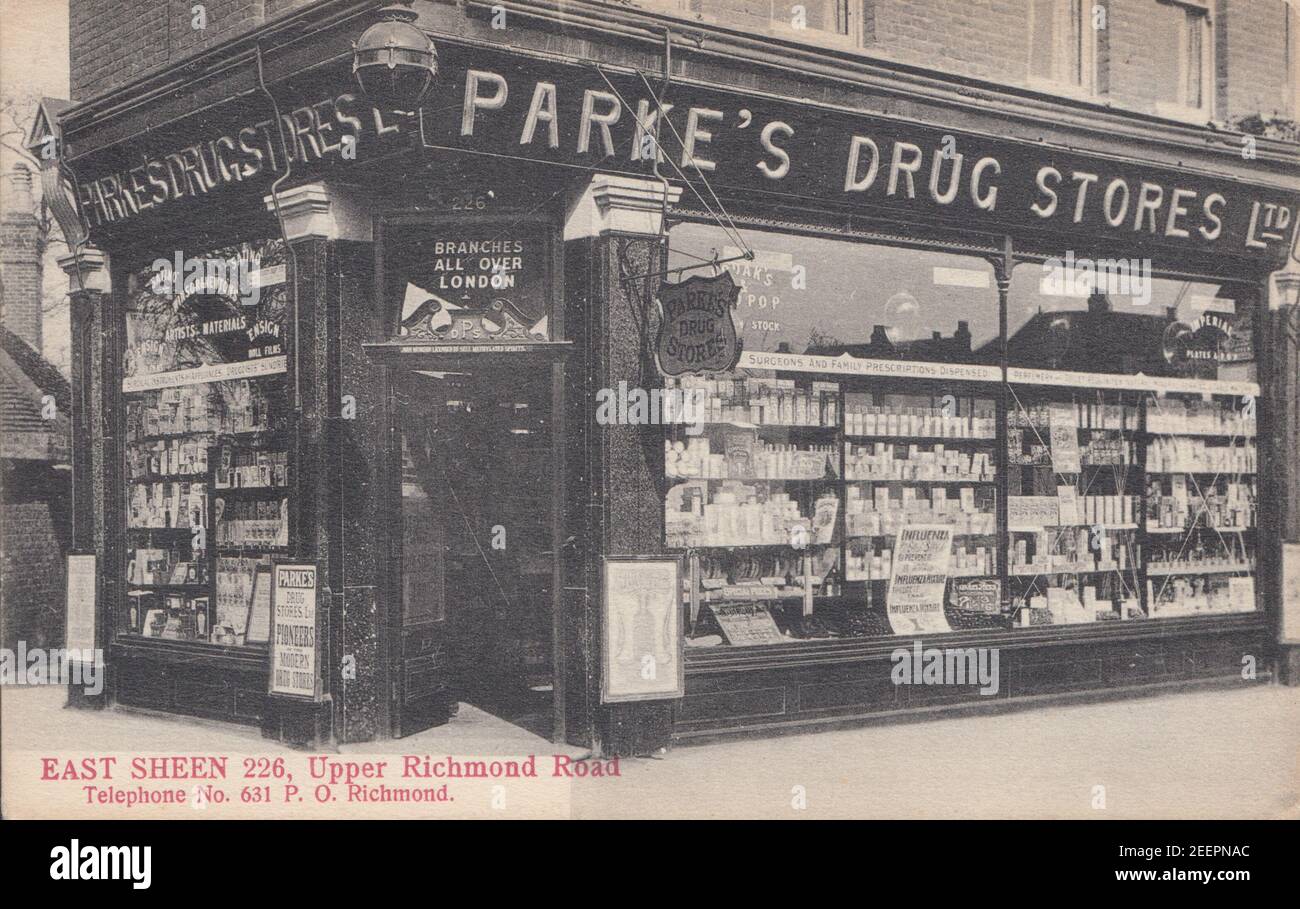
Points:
[[393, 61]]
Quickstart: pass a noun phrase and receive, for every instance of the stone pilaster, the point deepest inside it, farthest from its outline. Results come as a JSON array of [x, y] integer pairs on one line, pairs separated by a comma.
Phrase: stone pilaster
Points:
[[325, 224], [612, 242], [90, 292], [1282, 325]]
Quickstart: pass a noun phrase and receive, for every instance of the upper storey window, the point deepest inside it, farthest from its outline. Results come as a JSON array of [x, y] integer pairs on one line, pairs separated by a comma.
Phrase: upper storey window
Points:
[[1063, 45], [819, 21], [1181, 79]]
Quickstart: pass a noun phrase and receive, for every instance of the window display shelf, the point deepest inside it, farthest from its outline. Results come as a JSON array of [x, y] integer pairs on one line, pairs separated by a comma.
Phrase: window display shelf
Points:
[[784, 427], [1221, 434], [1224, 474], [168, 478], [823, 480], [1047, 571], [889, 536], [227, 491], [980, 441], [923, 482], [1157, 569]]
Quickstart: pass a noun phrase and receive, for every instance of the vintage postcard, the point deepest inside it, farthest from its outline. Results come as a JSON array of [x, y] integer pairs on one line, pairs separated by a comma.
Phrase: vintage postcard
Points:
[[611, 409]]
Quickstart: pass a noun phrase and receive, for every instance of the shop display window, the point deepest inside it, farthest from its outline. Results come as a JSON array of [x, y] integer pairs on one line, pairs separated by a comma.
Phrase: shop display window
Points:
[[757, 490], [792, 490], [1123, 443], [207, 472]]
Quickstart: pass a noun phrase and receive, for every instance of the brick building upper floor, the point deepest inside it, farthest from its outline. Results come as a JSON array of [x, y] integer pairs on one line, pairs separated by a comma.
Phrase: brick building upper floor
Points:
[[1195, 61]]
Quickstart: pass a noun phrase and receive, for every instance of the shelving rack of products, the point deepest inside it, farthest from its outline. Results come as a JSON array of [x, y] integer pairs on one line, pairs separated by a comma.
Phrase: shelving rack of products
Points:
[[207, 507], [918, 455], [758, 499], [787, 494], [1074, 496], [1200, 504]]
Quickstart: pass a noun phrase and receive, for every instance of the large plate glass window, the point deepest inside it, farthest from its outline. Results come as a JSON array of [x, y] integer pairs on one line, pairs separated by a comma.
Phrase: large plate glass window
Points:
[[207, 470], [1131, 444], [793, 489]]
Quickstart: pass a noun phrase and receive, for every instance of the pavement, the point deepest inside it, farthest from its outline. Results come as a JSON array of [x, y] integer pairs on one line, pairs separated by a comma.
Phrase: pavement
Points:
[[1196, 754]]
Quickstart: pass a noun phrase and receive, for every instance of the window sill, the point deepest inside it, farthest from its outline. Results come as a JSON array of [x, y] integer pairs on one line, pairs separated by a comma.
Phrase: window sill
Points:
[[1196, 116], [1065, 90]]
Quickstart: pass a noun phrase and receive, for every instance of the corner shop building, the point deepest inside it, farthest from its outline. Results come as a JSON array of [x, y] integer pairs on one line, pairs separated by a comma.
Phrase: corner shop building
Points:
[[410, 404]]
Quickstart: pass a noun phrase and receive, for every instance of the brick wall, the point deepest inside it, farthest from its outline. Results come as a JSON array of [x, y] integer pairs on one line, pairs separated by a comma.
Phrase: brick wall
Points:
[[1136, 52], [21, 249], [33, 543], [988, 39], [114, 41], [984, 39], [1252, 41]]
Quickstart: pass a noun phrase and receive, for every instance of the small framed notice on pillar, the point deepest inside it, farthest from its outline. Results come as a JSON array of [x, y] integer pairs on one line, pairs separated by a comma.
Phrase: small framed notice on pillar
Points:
[[295, 638], [642, 641], [1290, 593], [79, 616]]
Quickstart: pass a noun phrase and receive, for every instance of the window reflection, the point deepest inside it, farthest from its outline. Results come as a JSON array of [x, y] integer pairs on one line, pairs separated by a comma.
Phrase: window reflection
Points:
[[1088, 320], [816, 295]]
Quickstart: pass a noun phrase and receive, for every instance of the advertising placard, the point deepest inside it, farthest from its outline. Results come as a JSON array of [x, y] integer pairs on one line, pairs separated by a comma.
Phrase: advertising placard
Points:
[[642, 648], [922, 554], [294, 642]]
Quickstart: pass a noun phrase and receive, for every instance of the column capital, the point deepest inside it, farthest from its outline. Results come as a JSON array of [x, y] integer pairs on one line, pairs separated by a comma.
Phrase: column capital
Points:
[[612, 203], [1284, 288], [325, 211], [87, 269]]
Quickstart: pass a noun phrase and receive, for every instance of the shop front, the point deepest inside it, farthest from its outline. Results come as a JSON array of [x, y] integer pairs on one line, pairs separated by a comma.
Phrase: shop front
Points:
[[638, 405]]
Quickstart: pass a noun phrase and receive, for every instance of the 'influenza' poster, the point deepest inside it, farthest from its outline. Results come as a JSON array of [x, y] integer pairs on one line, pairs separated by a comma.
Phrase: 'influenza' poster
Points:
[[918, 579]]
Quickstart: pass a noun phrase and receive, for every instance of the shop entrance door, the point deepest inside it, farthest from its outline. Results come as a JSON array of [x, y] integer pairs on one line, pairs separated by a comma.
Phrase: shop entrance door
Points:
[[478, 547]]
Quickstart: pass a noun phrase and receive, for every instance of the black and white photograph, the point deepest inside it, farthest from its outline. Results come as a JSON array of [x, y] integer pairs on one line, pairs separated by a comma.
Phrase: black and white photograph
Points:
[[877, 410]]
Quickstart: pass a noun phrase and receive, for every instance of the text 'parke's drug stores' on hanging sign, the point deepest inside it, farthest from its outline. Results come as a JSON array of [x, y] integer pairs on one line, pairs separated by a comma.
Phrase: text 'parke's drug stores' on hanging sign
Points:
[[485, 103]]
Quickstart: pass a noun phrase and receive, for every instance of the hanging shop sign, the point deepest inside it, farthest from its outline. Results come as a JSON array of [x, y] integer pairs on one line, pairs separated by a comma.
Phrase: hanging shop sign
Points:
[[295, 644], [507, 107], [642, 647], [917, 581], [696, 330]]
